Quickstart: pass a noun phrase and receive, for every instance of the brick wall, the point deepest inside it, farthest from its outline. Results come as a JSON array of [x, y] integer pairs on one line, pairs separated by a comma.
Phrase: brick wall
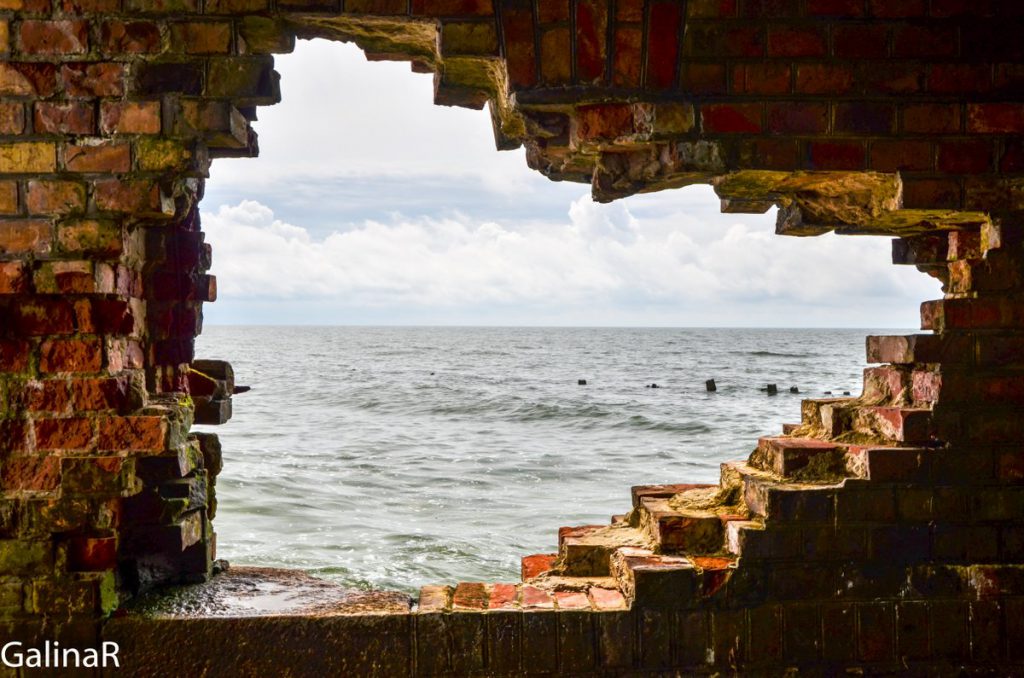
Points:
[[881, 531]]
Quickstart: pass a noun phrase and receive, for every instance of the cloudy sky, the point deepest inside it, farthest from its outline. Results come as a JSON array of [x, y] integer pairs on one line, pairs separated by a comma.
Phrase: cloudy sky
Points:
[[369, 205]]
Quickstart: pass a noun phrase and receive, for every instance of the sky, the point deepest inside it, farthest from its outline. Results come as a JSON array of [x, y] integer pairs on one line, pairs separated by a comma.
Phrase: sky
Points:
[[369, 205]]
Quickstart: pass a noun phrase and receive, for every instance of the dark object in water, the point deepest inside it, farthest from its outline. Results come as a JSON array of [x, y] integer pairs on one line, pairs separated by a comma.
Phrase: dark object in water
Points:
[[581, 382], [772, 389], [794, 389], [828, 392], [710, 385], [846, 393], [652, 386], [241, 389]]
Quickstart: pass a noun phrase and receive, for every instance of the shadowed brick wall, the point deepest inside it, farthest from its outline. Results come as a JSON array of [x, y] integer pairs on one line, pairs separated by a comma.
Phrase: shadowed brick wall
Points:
[[882, 531]]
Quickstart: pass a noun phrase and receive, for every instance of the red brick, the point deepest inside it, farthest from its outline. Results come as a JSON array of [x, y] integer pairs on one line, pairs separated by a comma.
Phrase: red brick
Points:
[[861, 41], [70, 355], [101, 394], [115, 195], [916, 42], [130, 37], [92, 554], [54, 37], [9, 197], [537, 564], [837, 155], [555, 11], [897, 10], [797, 118], [931, 119], [891, 78], [711, 9], [995, 118], [130, 117], [663, 30], [90, 6], [132, 434], [931, 193], [25, 236], [32, 474], [106, 156], [604, 121], [761, 78], [439, 8], [823, 79], [112, 316], [93, 80], [47, 395], [28, 79], [54, 197], [774, 154], [626, 60], [503, 597], [959, 78], [202, 37], [629, 10], [591, 36], [837, 8], [128, 355], [704, 78], [470, 596], [64, 434], [728, 118], [965, 157], [901, 156], [65, 118], [14, 278], [13, 356], [865, 118], [796, 42], [520, 57]]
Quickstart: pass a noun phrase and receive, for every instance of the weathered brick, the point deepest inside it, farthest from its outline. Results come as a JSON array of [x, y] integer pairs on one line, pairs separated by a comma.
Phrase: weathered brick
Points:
[[134, 434], [24, 236], [762, 78], [74, 433], [591, 38], [102, 156], [65, 277], [663, 43], [731, 118], [555, 56], [790, 41], [92, 554], [995, 118], [202, 37], [130, 37], [14, 277], [70, 355], [47, 395], [27, 79], [131, 196], [8, 197], [54, 197], [93, 79], [965, 157], [861, 41], [32, 474], [65, 118], [44, 316], [824, 78], [931, 119], [54, 37], [130, 117], [12, 117], [837, 155]]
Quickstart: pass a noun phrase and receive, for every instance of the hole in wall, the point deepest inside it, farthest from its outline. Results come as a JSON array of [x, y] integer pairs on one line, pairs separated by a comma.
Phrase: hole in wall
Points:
[[385, 455]]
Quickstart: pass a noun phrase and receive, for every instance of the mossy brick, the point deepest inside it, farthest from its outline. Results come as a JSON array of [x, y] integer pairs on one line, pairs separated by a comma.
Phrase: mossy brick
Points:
[[131, 196], [103, 476], [161, 155], [167, 78], [20, 557], [264, 35], [65, 277], [64, 597], [27, 79], [244, 79], [162, 6], [12, 117], [90, 237], [32, 474], [28, 157], [464, 38], [234, 7]]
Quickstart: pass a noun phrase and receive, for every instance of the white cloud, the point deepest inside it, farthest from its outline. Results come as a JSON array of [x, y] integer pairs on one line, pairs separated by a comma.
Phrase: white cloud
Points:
[[600, 256]]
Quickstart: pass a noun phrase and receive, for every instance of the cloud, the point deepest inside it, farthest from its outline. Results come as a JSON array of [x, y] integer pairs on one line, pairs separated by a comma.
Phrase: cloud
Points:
[[599, 256]]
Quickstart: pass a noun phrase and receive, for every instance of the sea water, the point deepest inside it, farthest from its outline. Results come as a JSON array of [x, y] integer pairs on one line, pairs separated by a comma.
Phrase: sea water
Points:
[[397, 457]]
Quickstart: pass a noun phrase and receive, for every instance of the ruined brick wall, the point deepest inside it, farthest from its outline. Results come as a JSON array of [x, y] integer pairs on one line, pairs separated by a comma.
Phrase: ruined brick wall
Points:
[[871, 517]]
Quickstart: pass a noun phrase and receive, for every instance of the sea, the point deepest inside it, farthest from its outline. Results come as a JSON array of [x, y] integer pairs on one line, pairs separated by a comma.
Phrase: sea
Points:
[[394, 457]]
